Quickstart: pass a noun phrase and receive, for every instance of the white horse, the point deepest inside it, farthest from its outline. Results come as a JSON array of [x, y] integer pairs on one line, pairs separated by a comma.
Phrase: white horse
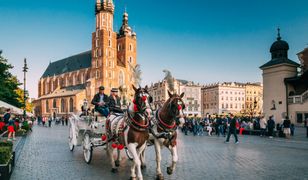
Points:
[[130, 131]]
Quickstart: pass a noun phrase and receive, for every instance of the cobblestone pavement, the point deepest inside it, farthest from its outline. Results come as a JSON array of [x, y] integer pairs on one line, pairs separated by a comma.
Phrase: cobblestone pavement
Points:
[[46, 156]]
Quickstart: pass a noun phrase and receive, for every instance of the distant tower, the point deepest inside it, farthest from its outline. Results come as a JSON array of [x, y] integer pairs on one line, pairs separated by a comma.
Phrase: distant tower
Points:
[[274, 73], [126, 51], [104, 46]]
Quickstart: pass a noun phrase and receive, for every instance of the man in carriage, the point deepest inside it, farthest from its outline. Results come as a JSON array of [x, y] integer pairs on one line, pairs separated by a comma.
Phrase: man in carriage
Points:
[[101, 102], [115, 101]]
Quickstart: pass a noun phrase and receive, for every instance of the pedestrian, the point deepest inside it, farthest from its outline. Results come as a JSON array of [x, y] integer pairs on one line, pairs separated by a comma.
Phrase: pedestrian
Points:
[[194, 124], [7, 116], [232, 129], [271, 126], [306, 127], [49, 121], [11, 130], [286, 127], [292, 128], [44, 121], [66, 120], [62, 120], [262, 126], [219, 125]]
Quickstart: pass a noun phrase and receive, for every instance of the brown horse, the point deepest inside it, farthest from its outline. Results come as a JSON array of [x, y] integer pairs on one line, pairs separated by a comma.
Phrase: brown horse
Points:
[[131, 130], [164, 130]]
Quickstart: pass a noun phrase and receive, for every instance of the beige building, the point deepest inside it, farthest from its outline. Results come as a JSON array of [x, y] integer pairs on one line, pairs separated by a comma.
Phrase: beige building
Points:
[[192, 98], [223, 98], [254, 98], [110, 63], [285, 89]]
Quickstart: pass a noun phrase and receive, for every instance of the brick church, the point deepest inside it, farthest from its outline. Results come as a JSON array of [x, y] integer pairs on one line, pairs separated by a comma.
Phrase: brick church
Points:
[[67, 82]]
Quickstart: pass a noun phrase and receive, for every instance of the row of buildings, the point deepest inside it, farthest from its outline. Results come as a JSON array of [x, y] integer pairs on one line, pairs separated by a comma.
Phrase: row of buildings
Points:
[[219, 98]]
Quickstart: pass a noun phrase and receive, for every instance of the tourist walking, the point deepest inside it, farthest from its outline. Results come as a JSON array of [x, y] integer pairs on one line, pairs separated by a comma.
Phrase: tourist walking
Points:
[[232, 130], [271, 126], [49, 121], [262, 126], [66, 120], [286, 127], [62, 120], [11, 129], [7, 116]]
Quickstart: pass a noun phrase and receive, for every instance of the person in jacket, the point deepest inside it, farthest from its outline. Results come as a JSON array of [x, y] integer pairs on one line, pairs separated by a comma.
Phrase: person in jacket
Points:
[[115, 101], [271, 126], [101, 101], [11, 129], [262, 126], [286, 127], [232, 129], [7, 116]]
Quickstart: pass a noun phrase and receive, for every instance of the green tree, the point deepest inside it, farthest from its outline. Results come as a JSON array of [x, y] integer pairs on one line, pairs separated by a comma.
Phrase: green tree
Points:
[[20, 93], [8, 83]]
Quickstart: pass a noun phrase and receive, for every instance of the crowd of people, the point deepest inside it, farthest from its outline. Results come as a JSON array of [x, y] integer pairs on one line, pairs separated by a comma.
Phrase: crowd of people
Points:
[[12, 122], [224, 124]]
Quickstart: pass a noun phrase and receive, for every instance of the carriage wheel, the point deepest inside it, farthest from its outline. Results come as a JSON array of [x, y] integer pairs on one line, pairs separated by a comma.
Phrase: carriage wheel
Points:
[[87, 148], [70, 138], [130, 157]]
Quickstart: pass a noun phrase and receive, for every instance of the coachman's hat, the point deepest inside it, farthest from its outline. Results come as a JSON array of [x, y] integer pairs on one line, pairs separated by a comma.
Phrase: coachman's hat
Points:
[[114, 90], [101, 88]]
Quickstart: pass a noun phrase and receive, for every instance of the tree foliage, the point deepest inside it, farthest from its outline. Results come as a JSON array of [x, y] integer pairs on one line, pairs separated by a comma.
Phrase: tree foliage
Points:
[[8, 83]]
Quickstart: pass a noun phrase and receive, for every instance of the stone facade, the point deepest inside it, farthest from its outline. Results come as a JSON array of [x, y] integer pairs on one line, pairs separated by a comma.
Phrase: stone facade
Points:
[[66, 83], [192, 98]]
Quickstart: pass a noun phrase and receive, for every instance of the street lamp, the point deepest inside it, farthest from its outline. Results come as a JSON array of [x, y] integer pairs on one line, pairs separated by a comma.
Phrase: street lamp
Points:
[[25, 70]]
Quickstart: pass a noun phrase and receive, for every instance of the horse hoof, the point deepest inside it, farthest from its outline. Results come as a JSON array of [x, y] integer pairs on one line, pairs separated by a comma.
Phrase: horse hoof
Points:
[[117, 163], [169, 170], [143, 166], [114, 170], [159, 177]]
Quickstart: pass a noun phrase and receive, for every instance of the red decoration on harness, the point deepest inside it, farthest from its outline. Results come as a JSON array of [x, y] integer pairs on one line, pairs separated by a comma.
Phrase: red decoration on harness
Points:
[[120, 147], [179, 107], [135, 106], [114, 145], [104, 137], [144, 98]]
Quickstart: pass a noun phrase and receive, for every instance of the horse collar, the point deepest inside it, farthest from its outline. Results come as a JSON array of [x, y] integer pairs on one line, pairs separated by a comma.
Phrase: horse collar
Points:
[[163, 123]]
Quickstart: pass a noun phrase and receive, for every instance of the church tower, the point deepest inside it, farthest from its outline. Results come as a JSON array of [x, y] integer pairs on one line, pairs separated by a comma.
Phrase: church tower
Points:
[[104, 46], [126, 54], [274, 73]]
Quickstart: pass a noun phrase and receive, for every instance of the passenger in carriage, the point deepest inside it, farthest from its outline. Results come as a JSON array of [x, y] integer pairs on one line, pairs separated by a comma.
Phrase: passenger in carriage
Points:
[[115, 101], [101, 102]]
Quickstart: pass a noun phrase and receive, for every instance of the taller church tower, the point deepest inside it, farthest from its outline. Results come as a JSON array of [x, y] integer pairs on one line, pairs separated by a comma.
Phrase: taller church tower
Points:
[[104, 58]]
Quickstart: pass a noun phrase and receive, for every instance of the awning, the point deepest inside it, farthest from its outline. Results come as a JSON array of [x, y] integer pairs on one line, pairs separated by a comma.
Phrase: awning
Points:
[[14, 110]]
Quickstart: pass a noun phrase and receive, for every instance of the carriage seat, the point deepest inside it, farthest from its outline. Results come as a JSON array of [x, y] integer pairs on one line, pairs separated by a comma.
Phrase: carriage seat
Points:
[[97, 114]]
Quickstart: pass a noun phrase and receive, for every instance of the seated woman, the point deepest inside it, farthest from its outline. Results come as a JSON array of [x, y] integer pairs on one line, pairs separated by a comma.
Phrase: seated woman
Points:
[[115, 101]]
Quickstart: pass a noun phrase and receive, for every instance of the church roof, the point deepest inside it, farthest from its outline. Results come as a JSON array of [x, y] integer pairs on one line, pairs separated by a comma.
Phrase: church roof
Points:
[[69, 64], [279, 61], [67, 91]]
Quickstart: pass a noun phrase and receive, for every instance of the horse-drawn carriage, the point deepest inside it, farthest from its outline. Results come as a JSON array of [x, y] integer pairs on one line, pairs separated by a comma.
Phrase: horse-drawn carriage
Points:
[[89, 132]]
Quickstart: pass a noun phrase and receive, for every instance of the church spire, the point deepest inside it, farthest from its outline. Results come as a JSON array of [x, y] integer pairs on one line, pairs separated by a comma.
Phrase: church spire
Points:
[[278, 35]]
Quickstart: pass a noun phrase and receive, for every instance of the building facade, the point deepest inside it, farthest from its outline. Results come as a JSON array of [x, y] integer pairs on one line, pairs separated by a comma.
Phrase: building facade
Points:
[[285, 88], [232, 97], [66, 83], [192, 98]]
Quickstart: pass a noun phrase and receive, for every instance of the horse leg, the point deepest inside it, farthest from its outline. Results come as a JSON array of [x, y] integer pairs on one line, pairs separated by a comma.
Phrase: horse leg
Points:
[[159, 175], [142, 158], [174, 154], [132, 147], [117, 162], [138, 162], [110, 154]]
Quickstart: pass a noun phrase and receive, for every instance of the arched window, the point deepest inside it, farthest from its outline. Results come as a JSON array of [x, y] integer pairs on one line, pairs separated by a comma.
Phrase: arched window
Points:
[[121, 78], [71, 109], [62, 105], [54, 103], [47, 106]]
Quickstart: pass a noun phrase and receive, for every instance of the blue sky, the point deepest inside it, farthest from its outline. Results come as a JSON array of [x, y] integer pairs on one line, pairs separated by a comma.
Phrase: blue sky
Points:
[[202, 40]]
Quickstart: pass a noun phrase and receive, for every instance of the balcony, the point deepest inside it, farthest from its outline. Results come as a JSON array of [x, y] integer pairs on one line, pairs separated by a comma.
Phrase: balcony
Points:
[[298, 99]]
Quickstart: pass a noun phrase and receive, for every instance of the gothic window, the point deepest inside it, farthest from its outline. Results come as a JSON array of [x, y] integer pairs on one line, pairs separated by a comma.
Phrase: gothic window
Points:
[[130, 47], [121, 78], [97, 74], [222, 106], [62, 105], [47, 106], [54, 103], [130, 59], [71, 109], [109, 44], [96, 43]]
